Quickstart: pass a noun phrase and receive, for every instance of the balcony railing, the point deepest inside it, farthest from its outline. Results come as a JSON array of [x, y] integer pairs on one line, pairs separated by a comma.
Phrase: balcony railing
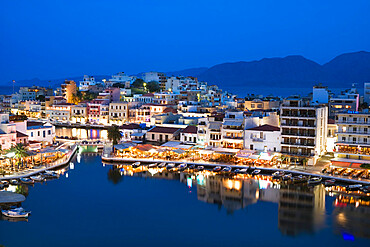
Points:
[[233, 137], [352, 122], [298, 134], [299, 144], [353, 132], [298, 125]]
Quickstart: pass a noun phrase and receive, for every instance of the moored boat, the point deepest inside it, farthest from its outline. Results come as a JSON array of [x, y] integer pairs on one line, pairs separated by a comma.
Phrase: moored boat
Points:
[[182, 166], [256, 172], [200, 168], [162, 165], [217, 169], [16, 213], [227, 169], [329, 182], [136, 165], [170, 166], [14, 182], [314, 180], [5, 183], [244, 170], [354, 187], [300, 179], [26, 180], [37, 178], [287, 177], [153, 165], [277, 175]]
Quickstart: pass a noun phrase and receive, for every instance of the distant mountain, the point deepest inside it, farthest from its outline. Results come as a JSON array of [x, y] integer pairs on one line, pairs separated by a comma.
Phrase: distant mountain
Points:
[[188, 72], [292, 71]]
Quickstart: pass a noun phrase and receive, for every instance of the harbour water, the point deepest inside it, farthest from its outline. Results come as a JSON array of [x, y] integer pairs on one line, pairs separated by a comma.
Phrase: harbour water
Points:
[[102, 205]]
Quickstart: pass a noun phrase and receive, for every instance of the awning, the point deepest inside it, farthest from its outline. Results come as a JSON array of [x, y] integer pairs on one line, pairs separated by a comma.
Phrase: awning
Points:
[[138, 134], [179, 151], [122, 146], [233, 123], [48, 150]]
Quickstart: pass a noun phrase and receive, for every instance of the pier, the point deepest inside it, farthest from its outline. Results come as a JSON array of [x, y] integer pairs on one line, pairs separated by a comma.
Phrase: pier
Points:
[[11, 197]]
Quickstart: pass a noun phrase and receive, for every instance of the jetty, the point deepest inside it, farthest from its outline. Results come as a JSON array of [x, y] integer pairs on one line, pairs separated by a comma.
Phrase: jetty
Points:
[[7, 197]]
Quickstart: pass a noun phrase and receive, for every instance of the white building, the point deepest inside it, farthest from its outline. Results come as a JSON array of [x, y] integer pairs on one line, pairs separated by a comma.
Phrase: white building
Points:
[[232, 130], [353, 145], [320, 95], [189, 135], [263, 138], [86, 83], [303, 129], [41, 132]]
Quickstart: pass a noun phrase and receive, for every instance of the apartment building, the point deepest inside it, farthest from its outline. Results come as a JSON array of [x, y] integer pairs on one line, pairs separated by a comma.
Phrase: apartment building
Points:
[[261, 104], [69, 89], [353, 143], [79, 113], [86, 83], [263, 138], [59, 112], [232, 131], [118, 113], [8, 133], [303, 129], [348, 100]]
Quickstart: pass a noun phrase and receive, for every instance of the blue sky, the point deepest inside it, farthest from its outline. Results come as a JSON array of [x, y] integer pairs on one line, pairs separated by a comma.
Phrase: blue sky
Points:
[[55, 39]]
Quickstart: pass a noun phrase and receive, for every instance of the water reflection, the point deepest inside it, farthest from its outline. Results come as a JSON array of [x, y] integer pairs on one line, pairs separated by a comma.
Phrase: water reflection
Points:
[[351, 217], [81, 133], [301, 208]]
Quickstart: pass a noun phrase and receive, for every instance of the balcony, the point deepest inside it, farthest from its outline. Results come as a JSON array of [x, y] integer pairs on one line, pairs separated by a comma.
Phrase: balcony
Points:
[[258, 139], [353, 132], [297, 134], [306, 144], [298, 125], [353, 143], [352, 122], [233, 137]]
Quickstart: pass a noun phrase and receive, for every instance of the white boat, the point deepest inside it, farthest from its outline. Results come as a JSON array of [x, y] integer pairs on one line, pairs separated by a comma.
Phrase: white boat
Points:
[[161, 165], [256, 172], [153, 165], [226, 169], [26, 180], [182, 166], [315, 180], [14, 182], [136, 164], [16, 213], [37, 178]]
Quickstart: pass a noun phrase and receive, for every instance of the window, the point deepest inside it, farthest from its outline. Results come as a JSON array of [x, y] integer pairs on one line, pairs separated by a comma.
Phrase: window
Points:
[[152, 136], [31, 134]]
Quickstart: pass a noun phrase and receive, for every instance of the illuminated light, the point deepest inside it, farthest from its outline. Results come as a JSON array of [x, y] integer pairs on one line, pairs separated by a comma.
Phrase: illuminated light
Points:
[[257, 194], [229, 184], [238, 185], [72, 166], [66, 175], [10, 155], [348, 236], [79, 158], [200, 179], [189, 182], [264, 184], [357, 204], [152, 171]]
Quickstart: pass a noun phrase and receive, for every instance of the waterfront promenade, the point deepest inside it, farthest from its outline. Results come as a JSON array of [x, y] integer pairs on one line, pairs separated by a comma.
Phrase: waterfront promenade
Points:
[[310, 171], [60, 162]]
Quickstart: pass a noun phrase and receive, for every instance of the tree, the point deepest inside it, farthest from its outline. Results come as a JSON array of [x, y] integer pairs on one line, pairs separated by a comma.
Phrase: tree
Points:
[[75, 99], [138, 83], [120, 85], [114, 135], [153, 86], [19, 151]]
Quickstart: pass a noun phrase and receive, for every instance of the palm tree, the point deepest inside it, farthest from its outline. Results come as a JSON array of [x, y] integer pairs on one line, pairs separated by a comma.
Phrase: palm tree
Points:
[[19, 151], [114, 134]]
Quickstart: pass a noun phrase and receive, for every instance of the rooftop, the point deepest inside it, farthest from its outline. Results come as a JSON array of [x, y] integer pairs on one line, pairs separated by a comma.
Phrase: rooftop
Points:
[[265, 127], [190, 129], [164, 130]]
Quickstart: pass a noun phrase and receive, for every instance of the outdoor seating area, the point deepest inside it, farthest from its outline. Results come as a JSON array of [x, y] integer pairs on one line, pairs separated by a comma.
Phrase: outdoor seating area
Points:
[[354, 150], [20, 160]]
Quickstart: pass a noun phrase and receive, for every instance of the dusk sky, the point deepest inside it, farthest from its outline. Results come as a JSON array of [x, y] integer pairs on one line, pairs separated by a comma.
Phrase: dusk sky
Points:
[[55, 39]]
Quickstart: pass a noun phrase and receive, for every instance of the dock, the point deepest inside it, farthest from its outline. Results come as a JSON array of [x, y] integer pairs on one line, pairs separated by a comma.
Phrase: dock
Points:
[[7, 197]]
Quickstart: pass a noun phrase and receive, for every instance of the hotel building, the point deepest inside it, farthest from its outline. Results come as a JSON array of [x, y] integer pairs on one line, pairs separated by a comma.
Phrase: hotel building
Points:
[[353, 144], [303, 129]]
